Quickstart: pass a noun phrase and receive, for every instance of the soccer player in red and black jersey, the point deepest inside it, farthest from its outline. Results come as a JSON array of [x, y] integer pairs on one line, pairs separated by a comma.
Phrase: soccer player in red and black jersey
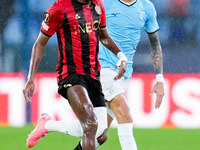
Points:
[[79, 25]]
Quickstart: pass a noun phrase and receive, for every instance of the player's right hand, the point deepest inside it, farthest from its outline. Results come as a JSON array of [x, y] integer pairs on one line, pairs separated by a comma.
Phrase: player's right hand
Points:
[[28, 90], [122, 69], [158, 88]]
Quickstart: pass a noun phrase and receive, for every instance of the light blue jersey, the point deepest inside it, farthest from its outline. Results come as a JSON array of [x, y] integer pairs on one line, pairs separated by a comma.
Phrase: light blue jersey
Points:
[[124, 24]]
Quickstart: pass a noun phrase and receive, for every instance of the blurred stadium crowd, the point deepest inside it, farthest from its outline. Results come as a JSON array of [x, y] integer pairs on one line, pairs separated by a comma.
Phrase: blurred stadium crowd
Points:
[[179, 33]]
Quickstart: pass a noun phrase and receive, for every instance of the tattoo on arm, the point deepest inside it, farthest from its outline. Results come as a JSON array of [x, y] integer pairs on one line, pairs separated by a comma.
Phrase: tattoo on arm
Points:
[[156, 53]]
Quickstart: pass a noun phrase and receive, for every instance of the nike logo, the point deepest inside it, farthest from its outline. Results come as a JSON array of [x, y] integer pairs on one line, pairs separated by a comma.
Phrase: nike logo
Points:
[[115, 14]]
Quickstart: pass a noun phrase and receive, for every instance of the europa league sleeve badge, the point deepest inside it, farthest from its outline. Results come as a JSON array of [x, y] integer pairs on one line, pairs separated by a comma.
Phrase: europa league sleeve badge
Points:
[[98, 10]]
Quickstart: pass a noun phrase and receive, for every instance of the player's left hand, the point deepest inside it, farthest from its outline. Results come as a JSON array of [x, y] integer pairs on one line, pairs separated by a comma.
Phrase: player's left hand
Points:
[[159, 90], [28, 90], [122, 70]]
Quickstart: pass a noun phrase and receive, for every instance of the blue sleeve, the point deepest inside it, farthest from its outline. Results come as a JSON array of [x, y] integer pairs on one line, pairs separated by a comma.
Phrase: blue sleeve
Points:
[[151, 25]]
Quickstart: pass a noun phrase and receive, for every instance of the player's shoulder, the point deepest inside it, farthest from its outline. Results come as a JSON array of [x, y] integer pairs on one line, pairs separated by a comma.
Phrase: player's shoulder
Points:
[[58, 7], [146, 3], [61, 3], [97, 2]]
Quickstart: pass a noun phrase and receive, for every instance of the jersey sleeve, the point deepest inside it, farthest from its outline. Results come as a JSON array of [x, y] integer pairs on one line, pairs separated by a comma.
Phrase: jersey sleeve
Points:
[[151, 24], [103, 16], [52, 20]]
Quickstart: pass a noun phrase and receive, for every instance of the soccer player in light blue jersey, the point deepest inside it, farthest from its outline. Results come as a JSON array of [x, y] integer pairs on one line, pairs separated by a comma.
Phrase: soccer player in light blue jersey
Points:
[[125, 20]]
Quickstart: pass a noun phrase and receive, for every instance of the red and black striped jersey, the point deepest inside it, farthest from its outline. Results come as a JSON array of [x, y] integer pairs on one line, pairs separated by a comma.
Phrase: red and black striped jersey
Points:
[[77, 26]]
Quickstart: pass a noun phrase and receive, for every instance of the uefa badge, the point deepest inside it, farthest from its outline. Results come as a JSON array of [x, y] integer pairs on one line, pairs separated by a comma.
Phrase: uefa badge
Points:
[[98, 10]]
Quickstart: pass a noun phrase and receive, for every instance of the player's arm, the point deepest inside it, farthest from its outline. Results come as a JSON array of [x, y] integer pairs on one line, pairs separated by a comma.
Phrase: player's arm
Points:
[[108, 42], [156, 54], [36, 56]]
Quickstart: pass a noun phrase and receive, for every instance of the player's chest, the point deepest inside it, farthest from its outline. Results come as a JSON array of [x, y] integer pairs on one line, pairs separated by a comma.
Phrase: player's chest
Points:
[[125, 15], [83, 20]]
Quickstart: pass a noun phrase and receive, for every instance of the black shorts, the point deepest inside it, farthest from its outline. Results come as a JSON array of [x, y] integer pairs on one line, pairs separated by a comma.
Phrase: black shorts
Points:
[[93, 87]]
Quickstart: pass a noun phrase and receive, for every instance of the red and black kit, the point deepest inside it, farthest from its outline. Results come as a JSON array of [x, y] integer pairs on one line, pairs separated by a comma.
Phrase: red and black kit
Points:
[[77, 26]]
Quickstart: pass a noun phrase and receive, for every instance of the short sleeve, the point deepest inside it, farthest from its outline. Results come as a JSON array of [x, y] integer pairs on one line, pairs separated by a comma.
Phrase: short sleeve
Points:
[[151, 25], [52, 20], [102, 16]]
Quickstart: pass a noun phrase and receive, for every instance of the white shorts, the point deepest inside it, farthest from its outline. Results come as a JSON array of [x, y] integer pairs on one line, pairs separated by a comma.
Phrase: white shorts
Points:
[[111, 87]]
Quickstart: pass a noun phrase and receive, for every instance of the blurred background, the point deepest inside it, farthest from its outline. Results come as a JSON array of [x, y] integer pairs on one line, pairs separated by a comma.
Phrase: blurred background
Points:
[[179, 35]]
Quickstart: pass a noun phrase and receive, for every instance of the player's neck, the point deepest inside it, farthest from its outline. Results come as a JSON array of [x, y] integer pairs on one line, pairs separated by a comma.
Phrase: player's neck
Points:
[[129, 1]]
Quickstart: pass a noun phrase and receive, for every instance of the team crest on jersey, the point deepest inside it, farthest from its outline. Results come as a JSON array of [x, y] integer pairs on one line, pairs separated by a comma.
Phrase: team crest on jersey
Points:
[[77, 16], [46, 17], [141, 14], [98, 10]]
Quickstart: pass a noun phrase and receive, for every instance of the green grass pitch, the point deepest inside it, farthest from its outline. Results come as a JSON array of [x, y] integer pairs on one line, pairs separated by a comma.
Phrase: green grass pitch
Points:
[[147, 139]]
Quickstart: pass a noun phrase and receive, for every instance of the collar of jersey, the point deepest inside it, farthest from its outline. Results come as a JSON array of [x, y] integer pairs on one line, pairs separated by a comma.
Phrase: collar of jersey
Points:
[[127, 4]]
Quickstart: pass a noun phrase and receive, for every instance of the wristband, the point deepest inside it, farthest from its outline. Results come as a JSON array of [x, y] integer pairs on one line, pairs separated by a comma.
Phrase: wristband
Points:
[[121, 56], [159, 78]]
